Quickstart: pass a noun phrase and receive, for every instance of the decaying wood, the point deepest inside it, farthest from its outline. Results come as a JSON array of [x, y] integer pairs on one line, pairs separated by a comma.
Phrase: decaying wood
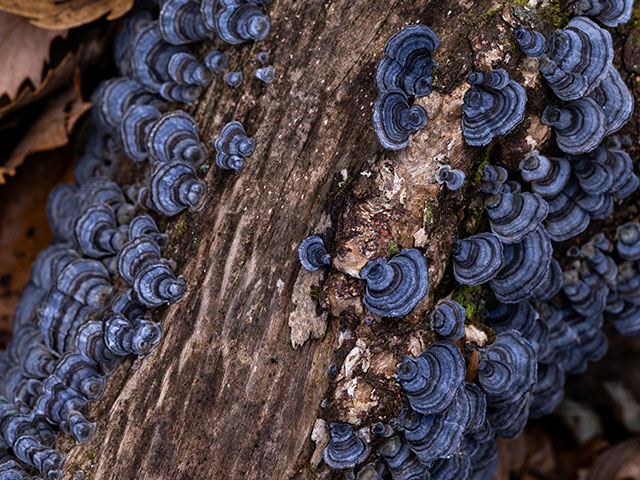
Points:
[[226, 395]]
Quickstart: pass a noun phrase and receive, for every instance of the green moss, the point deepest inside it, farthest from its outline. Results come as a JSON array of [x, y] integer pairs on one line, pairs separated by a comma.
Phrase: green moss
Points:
[[428, 214], [486, 17], [482, 160], [471, 298], [393, 249], [181, 227], [204, 167], [91, 456], [559, 14], [315, 292]]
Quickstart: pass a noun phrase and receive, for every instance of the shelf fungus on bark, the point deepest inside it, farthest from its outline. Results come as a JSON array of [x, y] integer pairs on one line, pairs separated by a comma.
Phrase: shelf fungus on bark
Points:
[[580, 125], [79, 373], [67, 408], [454, 179], [345, 448], [548, 176], [87, 281], [531, 43], [122, 337], [174, 187], [507, 373], [313, 254], [456, 466], [96, 232], [216, 61], [266, 74], [492, 179], [134, 130], [610, 12], [174, 136], [550, 285], [594, 178], [233, 146], [431, 380], [548, 391], [394, 120], [407, 63], [144, 224], [577, 58], [492, 107], [566, 218], [447, 319], [155, 285], [134, 255], [112, 99], [395, 287], [185, 69], [235, 21], [180, 22], [615, 99], [514, 215], [584, 298], [524, 268], [477, 259], [628, 243], [401, 461], [50, 262]]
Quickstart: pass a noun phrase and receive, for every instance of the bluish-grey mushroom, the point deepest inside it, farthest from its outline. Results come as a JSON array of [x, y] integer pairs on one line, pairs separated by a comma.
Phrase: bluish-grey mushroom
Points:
[[407, 64], [610, 12], [174, 186], [266, 74], [548, 175], [180, 22], [454, 179], [524, 268], [447, 319], [233, 146], [477, 259], [580, 125], [345, 448], [134, 130], [566, 218], [235, 21], [216, 61], [396, 287], [594, 178], [233, 79], [401, 461], [491, 112], [628, 243], [431, 380], [514, 215], [493, 177], [615, 99], [313, 254], [577, 58], [394, 120], [185, 69], [174, 136], [532, 43]]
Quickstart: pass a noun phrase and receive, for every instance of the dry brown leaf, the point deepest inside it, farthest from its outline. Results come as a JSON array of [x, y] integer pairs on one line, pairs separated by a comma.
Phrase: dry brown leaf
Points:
[[61, 14], [51, 130], [620, 462], [25, 54]]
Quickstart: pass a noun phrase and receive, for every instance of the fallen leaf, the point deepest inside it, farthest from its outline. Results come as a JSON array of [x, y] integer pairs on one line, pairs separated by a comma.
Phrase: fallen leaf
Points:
[[61, 14], [51, 130], [25, 54], [620, 462]]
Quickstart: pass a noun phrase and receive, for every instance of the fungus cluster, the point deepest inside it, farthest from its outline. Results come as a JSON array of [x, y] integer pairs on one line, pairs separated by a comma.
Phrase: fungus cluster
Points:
[[87, 304], [404, 73], [548, 318]]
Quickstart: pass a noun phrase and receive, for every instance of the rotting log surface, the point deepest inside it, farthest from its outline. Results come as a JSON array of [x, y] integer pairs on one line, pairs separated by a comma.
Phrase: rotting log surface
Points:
[[225, 395]]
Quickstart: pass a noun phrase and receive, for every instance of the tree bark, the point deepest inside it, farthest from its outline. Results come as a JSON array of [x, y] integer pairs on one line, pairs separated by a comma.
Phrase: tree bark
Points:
[[226, 395]]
